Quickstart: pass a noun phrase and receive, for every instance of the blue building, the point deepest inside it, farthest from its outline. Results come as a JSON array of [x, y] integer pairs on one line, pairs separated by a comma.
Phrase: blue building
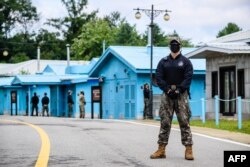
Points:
[[125, 69], [120, 72], [55, 80]]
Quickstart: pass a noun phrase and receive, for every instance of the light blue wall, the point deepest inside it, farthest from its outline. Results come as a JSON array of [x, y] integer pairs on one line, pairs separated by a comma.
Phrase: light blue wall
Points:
[[5, 106], [197, 90], [86, 87], [117, 87], [1, 101], [40, 90], [119, 82]]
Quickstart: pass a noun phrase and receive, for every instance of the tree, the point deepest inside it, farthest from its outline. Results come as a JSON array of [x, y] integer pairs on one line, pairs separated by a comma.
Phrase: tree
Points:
[[15, 12], [114, 19], [52, 47], [89, 43], [159, 38], [21, 47], [19, 58], [71, 25], [16, 18], [229, 29], [127, 35]]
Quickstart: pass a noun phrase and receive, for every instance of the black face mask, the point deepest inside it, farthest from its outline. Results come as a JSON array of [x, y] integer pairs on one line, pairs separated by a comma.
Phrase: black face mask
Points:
[[175, 48]]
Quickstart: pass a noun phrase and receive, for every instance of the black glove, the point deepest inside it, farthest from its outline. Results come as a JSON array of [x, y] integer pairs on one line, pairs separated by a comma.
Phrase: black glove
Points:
[[173, 94]]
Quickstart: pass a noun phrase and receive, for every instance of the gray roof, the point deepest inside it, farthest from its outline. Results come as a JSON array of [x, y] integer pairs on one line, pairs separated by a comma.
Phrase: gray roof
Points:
[[228, 48], [232, 44], [241, 36], [30, 67]]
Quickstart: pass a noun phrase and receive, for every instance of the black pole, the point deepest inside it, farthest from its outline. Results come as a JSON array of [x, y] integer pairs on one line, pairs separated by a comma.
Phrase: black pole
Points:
[[151, 13], [151, 63]]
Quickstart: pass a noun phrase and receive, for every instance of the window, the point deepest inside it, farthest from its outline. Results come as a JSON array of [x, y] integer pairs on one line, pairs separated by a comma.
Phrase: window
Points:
[[241, 83], [214, 83]]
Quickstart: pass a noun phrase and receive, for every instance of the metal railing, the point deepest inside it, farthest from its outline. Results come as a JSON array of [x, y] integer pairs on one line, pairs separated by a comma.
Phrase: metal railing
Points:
[[238, 100]]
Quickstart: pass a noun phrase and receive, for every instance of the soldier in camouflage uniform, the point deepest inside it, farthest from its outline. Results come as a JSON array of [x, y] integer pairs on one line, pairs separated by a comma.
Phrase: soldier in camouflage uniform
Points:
[[174, 75]]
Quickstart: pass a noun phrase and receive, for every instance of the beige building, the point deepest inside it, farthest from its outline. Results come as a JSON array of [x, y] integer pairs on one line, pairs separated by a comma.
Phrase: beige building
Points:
[[227, 73]]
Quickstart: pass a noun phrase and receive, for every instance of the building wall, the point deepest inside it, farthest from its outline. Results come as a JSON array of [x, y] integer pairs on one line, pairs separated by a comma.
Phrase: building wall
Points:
[[197, 92], [1, 101], [123, 93], [119, 93], [219, 60], [86, 87], [5, 101]]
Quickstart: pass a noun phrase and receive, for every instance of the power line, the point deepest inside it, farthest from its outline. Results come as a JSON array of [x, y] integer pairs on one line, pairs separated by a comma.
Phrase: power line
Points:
[[32, 43]]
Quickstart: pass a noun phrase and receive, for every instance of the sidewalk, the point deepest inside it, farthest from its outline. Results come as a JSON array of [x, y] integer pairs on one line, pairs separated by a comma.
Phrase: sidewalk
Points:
[[223, 134]]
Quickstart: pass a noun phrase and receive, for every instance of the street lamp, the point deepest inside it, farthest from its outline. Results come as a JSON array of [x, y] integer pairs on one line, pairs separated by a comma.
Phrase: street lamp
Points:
[[152, 13], [4, 52]]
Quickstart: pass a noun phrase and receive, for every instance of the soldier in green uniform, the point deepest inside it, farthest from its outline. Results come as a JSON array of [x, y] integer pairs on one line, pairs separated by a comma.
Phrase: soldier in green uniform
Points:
[[174, 74]]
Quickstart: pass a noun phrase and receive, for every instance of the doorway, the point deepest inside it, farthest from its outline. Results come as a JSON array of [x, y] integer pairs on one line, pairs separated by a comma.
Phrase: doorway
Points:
[[130, 95], [228, 90]]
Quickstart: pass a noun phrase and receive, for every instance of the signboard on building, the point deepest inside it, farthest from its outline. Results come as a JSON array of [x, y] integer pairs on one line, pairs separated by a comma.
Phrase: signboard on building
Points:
[[96, 97]]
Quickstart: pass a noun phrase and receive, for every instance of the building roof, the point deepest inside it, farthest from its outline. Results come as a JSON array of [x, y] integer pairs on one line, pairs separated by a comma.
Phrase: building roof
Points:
[[36, 79], [232, 44], [138, 58], [6, 81], [30, 67], [49, 79], [60, 69], [56, 69], [241, 36], [80, 69], [227, 48]]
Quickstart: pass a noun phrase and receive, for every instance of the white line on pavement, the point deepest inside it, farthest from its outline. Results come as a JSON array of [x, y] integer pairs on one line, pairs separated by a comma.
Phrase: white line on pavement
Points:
[[194, 133]]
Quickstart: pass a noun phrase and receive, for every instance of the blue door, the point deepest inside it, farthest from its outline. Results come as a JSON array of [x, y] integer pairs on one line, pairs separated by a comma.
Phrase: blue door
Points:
[[130, 94], [54, 101]]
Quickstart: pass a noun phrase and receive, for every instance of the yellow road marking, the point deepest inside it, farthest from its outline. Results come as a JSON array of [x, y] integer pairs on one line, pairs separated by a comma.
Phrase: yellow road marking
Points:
[[43, 157]]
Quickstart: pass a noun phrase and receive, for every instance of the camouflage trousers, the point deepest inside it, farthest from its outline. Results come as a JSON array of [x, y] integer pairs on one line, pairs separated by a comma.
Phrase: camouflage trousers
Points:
[[183, 114], [146, 108], [82, 111]]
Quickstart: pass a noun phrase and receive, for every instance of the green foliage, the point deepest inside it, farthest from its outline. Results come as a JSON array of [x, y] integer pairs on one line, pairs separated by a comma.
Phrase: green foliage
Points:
[[71, 25], [229, 29], [126, 35], [21, 44], [15, 12], [19, 58], [230, 125], [89, 42], [114, 19], [52, 47], [159, 38], [85, 32], [23, 72]]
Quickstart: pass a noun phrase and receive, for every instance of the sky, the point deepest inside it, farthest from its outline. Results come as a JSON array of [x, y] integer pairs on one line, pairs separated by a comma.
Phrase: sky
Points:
[[197, 20]]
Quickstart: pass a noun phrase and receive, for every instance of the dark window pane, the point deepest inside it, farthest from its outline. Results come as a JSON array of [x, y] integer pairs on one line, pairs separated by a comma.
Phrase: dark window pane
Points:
[[214, 83], [241, 83]]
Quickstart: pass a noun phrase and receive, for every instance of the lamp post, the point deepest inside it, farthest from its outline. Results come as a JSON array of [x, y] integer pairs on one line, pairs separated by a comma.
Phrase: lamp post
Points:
[[151, 13]]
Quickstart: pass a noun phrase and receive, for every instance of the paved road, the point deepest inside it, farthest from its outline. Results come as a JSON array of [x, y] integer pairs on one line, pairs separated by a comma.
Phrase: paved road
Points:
[[76, 143]]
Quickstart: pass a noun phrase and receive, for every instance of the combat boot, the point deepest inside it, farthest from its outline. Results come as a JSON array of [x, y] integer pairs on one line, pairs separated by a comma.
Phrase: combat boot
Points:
[[160, 153], [189, 153]]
